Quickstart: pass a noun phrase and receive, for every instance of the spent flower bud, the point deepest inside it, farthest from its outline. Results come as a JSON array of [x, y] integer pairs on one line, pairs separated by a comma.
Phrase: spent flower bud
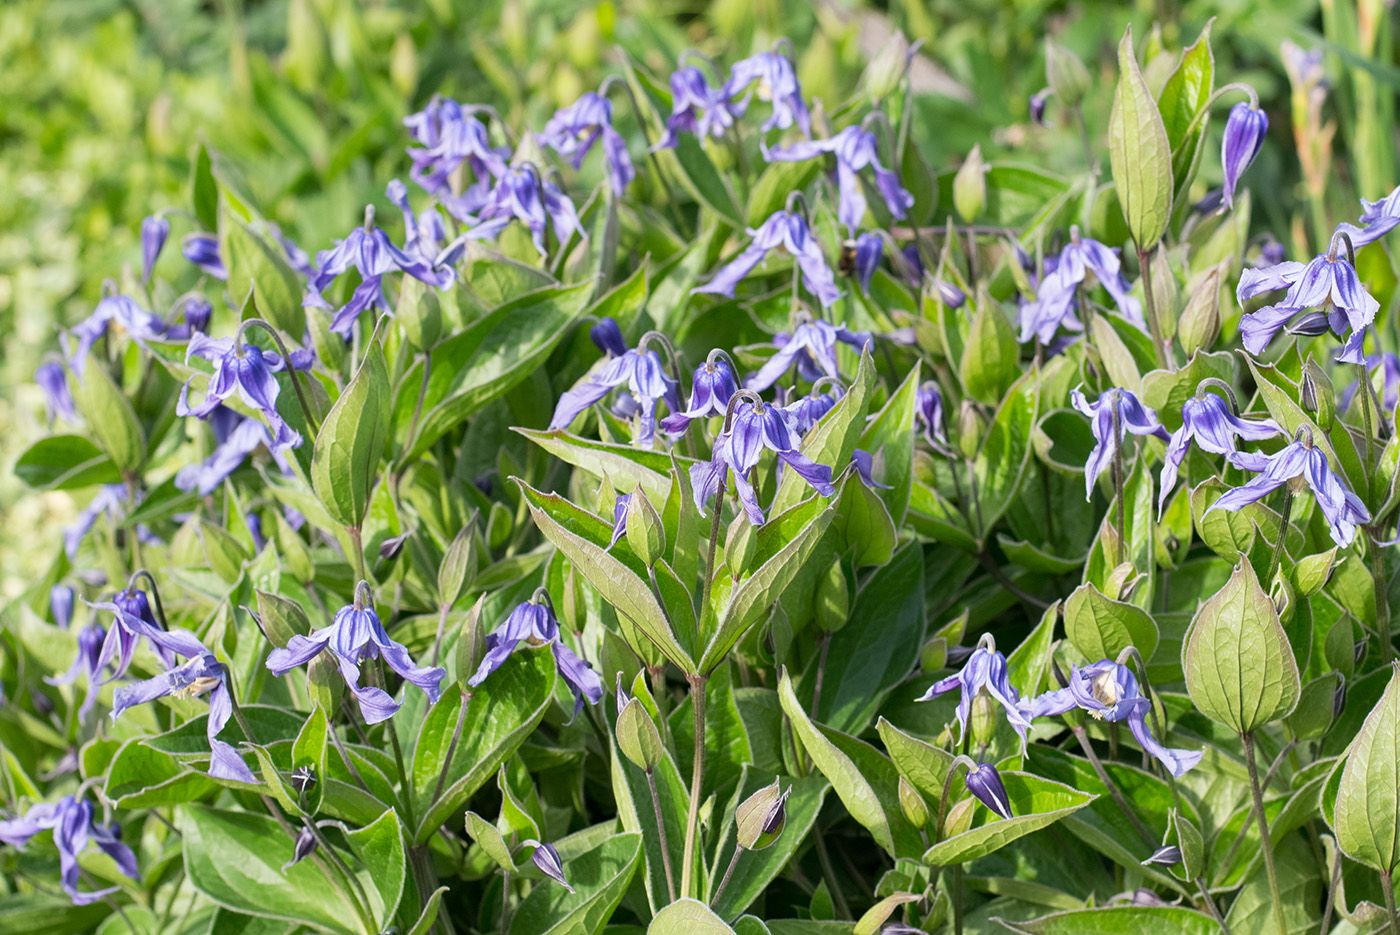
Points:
[[759, 819]]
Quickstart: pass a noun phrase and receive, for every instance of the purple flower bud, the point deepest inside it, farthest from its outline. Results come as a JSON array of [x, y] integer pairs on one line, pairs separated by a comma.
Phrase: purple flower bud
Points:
[[52, 378], [949, 294], [1037, 106], [985, 783], [1167, 855], [547, 859], [303, 777], [608, 336], [867, 250], [1244, 134], [203, 251], [61, 605], [154, 230], [303, 848], [198, 311]]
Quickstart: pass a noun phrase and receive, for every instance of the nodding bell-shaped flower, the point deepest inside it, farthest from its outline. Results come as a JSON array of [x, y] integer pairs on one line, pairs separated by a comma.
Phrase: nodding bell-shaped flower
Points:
[[714, 382], [1328, 283], [451, 136], [856, 150], [1037, 104], [1244, 134], [984, 782], [246, 370], [1378, 218], [1056, 294], [356, 635], [1109, 691], [71, 821], [154, 231], [776, 82], [573, 131], [113, 308], [1302, 463], [132, 621], [788, 230], [811, 346], [206, 476], [521, 194], [1209, 420], [203, 251], [697, 107], [1132, 416], [534, 624], [640, 370], [984, 671], [806, 411], [928, 412]]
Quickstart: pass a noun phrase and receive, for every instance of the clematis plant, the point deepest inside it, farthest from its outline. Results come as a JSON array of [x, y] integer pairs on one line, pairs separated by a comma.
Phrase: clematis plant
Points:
[[73, 826], [788, 230]]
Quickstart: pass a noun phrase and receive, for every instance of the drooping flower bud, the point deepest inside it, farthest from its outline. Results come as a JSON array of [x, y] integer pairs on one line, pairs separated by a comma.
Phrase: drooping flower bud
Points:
[[1166, 856], [154, 230], [305, 846], [547, 859], [61, 605], [760, 818], [1244, 134], [985, 783]]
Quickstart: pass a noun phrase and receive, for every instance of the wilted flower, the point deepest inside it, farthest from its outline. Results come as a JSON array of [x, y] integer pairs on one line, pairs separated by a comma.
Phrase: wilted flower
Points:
[[354, 636], [574, 130], [1109, 691], [697, 107], [641, 370], [88, 662], [247, 370], [52, 378], [812, 347], [201, 674], [1209, 420], [118, 309], [521, 194], [1308, 465], [1115, 405], [619, 529], [1244, 134], [714, 382], [547, 859], [1389, 366], [928, 411], [788, 230], [1327, 282], [72, 825], [203, 251], [154, 230], [984, 671], [206, 476], [1378, 218], [856, 150], [984, 782], [754, 427], [777, 83], [534, 624]]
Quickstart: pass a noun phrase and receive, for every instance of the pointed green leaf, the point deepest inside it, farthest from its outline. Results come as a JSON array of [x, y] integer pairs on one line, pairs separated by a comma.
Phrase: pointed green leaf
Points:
[[345, 464], [1367, 813], [1035, 803], [1101, 628], [1139, 152]]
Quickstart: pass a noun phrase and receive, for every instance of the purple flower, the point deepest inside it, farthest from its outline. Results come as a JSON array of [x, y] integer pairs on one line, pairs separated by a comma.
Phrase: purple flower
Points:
[[754, 427], [644, 375], [547, 859], [928, 411], [856, 150], [1056, 294], [521, 195], [296, 256], [154, 230], [985, 670], [868, 249], [985, 783], [1209, 420], [247, 370], [197, 311], [1109, 692], [573, 131], [450, 137], [61, 598], [1327, 282], [1378, 218], [863, 463], [788, 230], [112, 309], [354, 636], [806, 411], [52, 378], [107, 501], [1389, 366], [423, 234], [1301, 463], [132, 621], [1132, 416], [534, 624], [812, 347], [949, 294], [201, 674], [714, 383], [777, 84], [697, 107], [88, 662], [1244, 134], [206, 476], [71, 823], [203, 251], [1036, 106]]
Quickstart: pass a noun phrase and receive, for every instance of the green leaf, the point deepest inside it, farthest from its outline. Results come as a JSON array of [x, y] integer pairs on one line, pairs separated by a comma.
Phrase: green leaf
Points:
[[582, 538], [40, 914], [1367, 814], [1239, 667], [204, 190], [235, 858], [688, 917], [501, 713], [599, 876], [141, 777], [1118, 920], [991, 358], [627, 466], [833, 439], [1101, 628], [65, 462], [379, 847], [257, 266], [778, 179], [865, 524], [351, 442], [429, 915], [889, 436], [488, 837], [1184, 98], [109, 415], [1035, 803], [924, 765], [1001, 462], [309, 750], [1139, 152]]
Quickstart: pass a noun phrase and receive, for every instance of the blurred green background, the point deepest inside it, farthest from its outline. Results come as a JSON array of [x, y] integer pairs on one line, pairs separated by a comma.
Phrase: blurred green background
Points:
[[302, 100]]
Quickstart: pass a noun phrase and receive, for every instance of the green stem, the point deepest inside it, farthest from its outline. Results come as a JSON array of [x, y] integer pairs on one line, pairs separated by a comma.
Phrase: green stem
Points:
[[728, 872], [1148, 838], [697, 768], [665, 845], [358, 547], [1388, 885], [1282, 535], [1265, 842], [833, 882]]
